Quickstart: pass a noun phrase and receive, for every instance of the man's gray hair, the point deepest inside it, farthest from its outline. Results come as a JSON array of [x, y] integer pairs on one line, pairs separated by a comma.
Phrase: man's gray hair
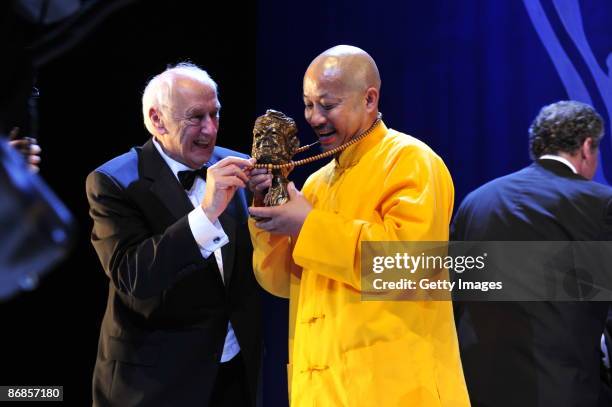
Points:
[[563, 127], [159, 89]]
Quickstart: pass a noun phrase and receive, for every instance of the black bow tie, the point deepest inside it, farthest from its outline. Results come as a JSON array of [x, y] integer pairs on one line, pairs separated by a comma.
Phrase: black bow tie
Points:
[[187, 178]]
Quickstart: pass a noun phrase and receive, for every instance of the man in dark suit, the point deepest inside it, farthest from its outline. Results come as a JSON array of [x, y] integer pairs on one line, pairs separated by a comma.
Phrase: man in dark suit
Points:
[[182, 322], [544, 354]]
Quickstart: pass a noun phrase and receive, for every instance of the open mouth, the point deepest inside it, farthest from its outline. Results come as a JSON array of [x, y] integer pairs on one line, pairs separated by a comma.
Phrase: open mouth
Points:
[[201, 143], [327, 138]]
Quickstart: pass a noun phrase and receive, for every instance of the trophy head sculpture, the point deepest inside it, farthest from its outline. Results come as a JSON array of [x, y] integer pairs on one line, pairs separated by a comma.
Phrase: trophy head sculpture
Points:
[[275, 141]]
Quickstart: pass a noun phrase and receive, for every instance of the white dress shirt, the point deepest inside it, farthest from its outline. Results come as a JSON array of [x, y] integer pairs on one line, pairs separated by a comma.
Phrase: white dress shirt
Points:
[[209, 236]]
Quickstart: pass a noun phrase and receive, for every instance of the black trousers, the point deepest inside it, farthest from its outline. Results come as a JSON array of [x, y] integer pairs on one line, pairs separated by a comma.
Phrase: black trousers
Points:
[[231, 388]]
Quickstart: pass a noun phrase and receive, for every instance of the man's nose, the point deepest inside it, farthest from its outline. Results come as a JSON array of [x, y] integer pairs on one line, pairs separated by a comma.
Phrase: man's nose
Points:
[[209, 125], [317, 118]]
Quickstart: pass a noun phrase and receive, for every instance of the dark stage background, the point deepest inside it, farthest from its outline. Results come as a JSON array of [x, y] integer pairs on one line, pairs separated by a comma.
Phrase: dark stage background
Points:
[[467, 77]]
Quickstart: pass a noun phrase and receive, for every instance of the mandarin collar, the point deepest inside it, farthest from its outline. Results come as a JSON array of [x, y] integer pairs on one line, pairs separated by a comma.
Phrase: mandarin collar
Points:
[[353, 153]]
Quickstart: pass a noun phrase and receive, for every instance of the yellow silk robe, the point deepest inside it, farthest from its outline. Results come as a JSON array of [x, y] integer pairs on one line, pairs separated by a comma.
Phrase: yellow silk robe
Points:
[[348, 352]]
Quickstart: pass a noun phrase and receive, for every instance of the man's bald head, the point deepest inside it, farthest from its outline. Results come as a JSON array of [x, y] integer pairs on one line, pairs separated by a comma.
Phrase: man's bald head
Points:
[[350, 66], [341, 90]]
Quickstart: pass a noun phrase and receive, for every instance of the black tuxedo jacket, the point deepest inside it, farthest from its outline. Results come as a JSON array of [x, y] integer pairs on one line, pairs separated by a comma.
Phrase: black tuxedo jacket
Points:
[[168, 310], [531, 354]]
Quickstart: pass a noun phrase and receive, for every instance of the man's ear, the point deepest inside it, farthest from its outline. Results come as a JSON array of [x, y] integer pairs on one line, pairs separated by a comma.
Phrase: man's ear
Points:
[[371, 99], [587, 150], [157, 121]]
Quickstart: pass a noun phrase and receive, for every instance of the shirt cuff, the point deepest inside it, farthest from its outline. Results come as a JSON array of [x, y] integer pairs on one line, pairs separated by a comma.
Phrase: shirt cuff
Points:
[[209, 236]]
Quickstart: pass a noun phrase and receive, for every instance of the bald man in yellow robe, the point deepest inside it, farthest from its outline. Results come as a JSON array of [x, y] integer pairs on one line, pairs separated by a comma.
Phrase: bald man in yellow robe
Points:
[[386, 187]]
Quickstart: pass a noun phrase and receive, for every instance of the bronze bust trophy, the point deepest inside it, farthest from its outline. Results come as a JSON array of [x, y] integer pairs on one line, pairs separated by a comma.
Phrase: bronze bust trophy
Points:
[[275, 142]]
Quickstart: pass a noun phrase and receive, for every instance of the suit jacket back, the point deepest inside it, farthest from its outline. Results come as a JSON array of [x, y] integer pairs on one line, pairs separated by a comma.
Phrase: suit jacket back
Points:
[[527, 353]]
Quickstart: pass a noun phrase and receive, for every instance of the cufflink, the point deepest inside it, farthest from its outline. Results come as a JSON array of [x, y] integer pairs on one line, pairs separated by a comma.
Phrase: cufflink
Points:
[[216, 239]]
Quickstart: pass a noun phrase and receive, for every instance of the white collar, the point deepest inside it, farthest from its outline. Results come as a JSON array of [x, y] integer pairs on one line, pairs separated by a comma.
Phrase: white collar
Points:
[[560, 159], [174, 165]]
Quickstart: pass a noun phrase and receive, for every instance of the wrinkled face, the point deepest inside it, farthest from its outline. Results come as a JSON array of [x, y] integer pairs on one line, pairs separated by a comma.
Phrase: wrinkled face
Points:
[[191, 123], [334, 112]]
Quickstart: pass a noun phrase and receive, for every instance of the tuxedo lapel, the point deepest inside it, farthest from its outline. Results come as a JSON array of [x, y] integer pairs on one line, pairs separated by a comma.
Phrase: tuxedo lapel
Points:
[[169, 191], [164, 184]]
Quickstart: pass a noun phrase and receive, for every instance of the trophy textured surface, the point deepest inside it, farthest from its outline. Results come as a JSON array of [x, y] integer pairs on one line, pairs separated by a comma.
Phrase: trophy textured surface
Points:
[[275, 142]]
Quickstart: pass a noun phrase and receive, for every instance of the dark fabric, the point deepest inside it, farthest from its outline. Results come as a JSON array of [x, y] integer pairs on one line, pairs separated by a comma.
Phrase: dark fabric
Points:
[[187, 178], [526, 353], [167, 313], [230, 389]]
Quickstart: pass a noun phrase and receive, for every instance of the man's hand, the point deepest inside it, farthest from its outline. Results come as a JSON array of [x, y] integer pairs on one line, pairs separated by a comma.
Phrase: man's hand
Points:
[[28, 147], [286, 219], [259, 181], [222, 180]]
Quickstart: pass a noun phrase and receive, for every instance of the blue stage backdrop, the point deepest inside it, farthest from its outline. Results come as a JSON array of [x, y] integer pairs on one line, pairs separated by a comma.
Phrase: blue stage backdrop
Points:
[[467, 77]]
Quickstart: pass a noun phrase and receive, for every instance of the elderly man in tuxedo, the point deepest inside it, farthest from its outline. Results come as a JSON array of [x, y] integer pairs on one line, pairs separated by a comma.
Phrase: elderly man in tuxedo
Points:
[[182, 322]]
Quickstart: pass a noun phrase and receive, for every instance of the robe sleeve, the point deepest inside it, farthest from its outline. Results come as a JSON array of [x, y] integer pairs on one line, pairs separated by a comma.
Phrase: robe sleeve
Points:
[[415, 204], [272, 262]]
